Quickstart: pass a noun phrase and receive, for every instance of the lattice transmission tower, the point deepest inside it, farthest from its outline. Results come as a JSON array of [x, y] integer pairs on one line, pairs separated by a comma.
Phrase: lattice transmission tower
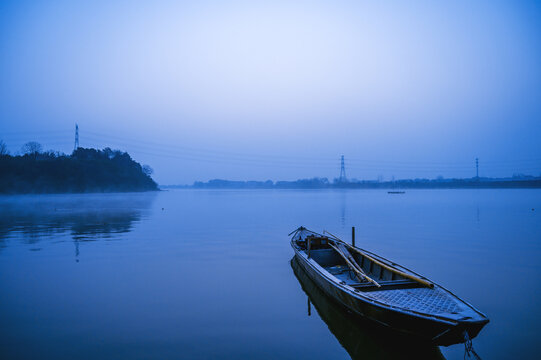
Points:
[[342, 170], [76, 137]]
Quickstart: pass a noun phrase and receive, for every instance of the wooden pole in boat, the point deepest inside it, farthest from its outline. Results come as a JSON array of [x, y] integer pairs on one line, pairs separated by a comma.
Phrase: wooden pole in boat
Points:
[[352, 264], [396, 271], [353, 235], [334, 236]]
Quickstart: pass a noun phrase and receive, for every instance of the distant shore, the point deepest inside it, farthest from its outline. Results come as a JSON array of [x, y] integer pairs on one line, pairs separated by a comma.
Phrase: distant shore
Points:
[[522, 182]]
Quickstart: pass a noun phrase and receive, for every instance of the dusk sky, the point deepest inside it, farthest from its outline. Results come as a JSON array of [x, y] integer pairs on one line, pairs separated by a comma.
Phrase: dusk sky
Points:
[[278, 89]]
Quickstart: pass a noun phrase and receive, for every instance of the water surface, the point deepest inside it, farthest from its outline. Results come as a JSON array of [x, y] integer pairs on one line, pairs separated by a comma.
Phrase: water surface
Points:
[[207, 274]]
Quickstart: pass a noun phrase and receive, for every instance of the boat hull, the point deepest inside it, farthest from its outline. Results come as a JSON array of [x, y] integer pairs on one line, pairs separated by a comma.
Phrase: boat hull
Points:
[[436, 331], [360, 337]]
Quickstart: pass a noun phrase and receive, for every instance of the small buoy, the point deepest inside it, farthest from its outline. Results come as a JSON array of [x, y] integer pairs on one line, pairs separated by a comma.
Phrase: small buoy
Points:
[[533, 209], [162, 209]]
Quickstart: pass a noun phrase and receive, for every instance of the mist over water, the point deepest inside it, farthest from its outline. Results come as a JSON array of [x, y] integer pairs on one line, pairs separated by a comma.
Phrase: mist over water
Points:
[[88, 217], [206, 273]]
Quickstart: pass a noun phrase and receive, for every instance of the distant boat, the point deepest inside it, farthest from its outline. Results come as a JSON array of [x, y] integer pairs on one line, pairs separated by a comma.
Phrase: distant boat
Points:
[[378, 289], [396, 192]]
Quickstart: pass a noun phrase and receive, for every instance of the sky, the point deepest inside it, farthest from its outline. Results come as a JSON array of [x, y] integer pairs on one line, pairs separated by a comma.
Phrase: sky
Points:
[[257, 90]]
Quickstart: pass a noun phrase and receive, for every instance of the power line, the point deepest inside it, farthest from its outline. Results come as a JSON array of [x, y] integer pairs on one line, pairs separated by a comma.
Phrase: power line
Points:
[[158, 150], [220, 156], [318, 160]]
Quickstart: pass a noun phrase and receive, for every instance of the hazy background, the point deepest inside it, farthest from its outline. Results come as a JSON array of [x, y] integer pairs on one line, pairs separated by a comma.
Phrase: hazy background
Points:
[[278, 90]]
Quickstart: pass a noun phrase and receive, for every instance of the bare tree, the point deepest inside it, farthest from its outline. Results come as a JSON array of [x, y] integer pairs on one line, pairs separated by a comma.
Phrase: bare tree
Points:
[[3, 148], [31, 147], [148, 170]]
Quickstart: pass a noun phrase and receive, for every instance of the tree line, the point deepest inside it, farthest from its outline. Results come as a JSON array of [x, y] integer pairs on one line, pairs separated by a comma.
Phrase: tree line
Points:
[[85, 170]]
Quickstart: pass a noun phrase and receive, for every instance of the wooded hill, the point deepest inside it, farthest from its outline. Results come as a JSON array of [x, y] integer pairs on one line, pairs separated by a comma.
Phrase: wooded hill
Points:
[[85, 170]]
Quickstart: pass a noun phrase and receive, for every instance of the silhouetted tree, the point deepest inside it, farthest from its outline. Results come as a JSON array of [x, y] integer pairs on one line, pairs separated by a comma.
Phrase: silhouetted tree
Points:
[[31, 148], [3, 148], [148, 170]]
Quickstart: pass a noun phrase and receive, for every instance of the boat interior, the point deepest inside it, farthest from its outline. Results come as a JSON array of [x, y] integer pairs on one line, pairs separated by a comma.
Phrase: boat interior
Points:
[[344, 262]]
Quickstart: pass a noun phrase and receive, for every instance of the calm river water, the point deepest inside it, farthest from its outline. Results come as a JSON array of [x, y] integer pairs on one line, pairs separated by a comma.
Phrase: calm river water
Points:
[[194, 274]]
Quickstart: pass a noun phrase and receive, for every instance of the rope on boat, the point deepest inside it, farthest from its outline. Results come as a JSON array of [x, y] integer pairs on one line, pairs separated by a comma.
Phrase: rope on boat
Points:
[[469, 352]]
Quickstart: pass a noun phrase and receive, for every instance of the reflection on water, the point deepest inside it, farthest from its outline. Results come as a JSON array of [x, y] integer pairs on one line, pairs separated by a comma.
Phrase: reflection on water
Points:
[[343, 209], [362, 339], [84, 217]]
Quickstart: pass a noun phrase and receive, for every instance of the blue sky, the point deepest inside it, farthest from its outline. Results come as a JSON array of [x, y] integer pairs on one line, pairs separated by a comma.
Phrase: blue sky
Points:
[[279, 90]]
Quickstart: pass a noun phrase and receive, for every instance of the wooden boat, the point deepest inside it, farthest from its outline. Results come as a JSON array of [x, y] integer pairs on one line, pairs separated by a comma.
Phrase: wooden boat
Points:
[[361, 338], [383, 291]]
